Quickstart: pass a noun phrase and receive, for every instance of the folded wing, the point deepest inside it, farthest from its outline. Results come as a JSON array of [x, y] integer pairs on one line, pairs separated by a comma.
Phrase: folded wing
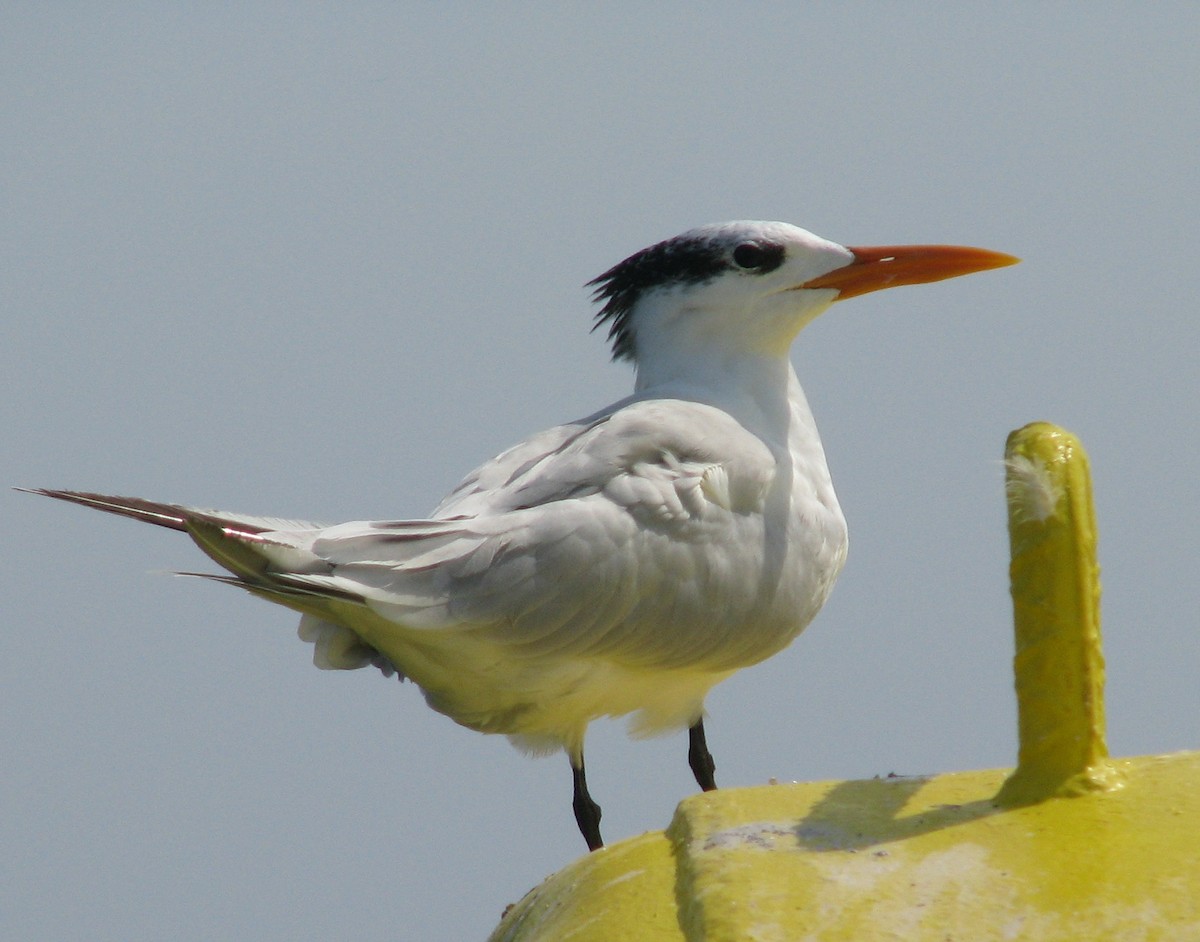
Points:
[[600, 538]]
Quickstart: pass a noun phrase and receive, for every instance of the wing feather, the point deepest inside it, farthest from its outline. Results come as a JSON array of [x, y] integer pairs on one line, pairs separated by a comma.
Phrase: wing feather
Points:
[[594, 538], [582, 548]]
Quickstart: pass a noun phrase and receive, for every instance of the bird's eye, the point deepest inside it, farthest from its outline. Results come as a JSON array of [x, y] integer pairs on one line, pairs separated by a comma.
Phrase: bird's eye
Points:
[[758, 256]]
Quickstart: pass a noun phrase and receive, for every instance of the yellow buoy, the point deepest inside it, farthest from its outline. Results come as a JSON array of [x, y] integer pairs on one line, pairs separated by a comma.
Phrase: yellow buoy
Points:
[[1071, 845]]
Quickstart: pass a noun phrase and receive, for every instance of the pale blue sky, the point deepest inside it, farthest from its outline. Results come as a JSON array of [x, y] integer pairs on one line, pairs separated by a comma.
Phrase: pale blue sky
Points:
[[320, 261]]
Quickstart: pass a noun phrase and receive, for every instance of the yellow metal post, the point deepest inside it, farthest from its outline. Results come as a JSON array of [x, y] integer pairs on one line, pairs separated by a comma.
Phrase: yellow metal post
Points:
[[1055, 581]]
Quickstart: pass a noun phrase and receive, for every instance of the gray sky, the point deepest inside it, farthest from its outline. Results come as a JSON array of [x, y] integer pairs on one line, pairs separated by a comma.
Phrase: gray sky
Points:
[[320, 261]]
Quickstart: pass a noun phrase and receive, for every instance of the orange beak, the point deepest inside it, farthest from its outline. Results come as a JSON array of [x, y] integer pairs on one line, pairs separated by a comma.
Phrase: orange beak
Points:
[[886, 266]]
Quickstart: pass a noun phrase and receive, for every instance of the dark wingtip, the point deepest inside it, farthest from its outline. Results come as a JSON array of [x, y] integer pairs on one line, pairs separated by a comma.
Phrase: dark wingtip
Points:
[[171, 516]]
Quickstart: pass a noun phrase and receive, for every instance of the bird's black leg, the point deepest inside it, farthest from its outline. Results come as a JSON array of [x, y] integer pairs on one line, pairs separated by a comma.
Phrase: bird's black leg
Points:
[[699, 758], [587, 812]]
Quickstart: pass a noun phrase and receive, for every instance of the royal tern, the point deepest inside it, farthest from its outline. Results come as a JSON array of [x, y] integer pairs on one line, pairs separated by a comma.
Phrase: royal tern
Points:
[[620, 564]]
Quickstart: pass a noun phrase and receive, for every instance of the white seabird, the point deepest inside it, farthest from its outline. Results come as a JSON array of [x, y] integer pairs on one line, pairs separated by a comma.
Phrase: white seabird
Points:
[[620, 564]]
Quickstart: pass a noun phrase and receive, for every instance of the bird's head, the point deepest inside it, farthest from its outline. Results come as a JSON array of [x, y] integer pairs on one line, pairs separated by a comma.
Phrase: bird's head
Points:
[[749, 287]]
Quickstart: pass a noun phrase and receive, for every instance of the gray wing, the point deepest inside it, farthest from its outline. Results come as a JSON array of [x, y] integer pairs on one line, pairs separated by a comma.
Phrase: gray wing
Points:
[[605, 536], [583, 458], [591, 538]]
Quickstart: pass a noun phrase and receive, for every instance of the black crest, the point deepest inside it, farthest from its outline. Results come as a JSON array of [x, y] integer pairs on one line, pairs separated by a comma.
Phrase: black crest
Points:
[[684, 260]]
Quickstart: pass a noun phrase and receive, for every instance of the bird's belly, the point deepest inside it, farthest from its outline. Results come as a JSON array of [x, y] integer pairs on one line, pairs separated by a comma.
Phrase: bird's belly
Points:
[[550, 707], [674, 618], [544, 702]]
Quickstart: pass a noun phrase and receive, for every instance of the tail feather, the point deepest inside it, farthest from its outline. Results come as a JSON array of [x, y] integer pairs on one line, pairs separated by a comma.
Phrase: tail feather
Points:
[[234, 541], [266, 556], [248, 554], [172, 516], [147, 511], [299, 593]]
